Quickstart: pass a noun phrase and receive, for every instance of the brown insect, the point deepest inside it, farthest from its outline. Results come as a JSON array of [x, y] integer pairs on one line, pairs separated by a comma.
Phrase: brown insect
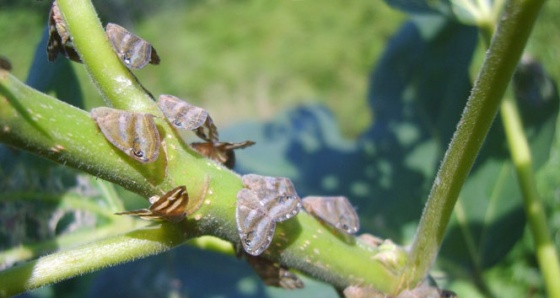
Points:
[[172, 206], [335, 211], [59, 39], [133, 133], [134, 51], [208, 131], [221, 152], [183, 115], [274, 274], [265, 201]]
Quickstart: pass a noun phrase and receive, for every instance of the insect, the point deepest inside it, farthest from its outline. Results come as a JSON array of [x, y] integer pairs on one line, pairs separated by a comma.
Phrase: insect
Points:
[[134, 51], [267, 200], [221, 152], [171, 206], [133, 133], [59, 39], [335, 211], [183, 115], [274, 274]]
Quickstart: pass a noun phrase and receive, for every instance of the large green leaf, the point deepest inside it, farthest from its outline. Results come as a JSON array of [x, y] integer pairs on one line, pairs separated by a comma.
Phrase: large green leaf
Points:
[[417, 93]]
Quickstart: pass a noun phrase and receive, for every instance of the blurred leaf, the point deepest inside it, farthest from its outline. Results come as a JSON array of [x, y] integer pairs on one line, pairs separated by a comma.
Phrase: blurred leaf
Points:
[[422, 6], [417, 93], [29, 209], [58, 76], [36, 176], [387, 172]]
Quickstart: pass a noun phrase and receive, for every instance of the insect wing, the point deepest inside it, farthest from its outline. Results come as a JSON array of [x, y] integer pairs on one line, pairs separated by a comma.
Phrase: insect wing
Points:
[[281, 208], [142, 213], [134, 51], [59, 39], [181, 114], [255, 227], [279, 185], [173, 205], [272, 274], [133, 133], [221, 152], [335, 211], [277, 194], [208, 131], [288, 280]]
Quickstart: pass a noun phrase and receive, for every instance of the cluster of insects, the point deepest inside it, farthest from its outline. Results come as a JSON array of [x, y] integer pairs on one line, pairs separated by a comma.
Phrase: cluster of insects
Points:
[[261, 203], [265, 201]]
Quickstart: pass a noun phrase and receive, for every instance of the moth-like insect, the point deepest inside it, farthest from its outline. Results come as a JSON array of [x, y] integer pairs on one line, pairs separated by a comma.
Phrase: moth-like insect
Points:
[[274, 274], [221, 152], [134, 51], [59, 39], [183, 115], [172, 206], [133, 133], [335, 211], [267, 200]]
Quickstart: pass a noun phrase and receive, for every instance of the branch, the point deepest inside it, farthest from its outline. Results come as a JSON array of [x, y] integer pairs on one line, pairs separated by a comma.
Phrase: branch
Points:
[[501, 60], [521, 156], [115, 82], [89, 258]]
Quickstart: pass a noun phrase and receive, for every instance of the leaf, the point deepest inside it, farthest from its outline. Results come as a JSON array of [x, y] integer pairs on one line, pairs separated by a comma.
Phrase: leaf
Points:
[[422, 6], [57, 76], [387, 172], [43, 183]]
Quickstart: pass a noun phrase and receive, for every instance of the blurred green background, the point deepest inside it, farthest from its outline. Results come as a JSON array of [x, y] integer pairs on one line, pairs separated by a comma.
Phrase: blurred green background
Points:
[[238, 59]]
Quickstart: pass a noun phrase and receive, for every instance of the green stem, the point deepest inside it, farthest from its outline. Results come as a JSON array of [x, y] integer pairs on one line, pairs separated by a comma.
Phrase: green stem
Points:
[[521, 156], [110, 194], [45, 126], [88, 258], [115, 82], [29, 251], [37, 122], [501, 59], [67, 201]]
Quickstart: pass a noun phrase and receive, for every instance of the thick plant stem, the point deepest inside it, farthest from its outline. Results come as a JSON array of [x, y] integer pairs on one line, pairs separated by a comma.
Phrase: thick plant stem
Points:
[[115, 82], [502, 57], [42, 124], [521, 156]]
